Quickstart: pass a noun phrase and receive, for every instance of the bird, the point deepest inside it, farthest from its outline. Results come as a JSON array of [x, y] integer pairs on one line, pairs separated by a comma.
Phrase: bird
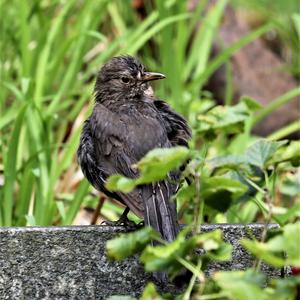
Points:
[[127, 122]]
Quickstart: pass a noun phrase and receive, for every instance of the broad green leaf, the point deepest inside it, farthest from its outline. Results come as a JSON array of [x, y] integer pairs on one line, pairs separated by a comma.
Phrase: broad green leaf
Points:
[[212, 243], [228, 119], [263, 251], [153, 167], [272, 251], [291, 184], [291, 213], [262, 151], [130, 243], [120, 183], [159, 162], [232, 162], [150, 293], [286, 288], [291, 235], [164, 257], [222, 253], [218, 192], [242, 285], [186, 192], [289, 152]]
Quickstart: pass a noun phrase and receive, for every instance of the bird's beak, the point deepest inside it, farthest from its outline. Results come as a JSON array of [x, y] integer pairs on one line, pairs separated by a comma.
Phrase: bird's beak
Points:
[[148, 76]]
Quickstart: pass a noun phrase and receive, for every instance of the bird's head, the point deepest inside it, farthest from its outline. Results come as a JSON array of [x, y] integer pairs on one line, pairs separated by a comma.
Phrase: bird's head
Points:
[[123, 76]]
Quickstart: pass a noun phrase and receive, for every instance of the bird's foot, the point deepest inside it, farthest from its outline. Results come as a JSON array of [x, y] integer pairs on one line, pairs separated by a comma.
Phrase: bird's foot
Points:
[[123, 221], [161, 278]]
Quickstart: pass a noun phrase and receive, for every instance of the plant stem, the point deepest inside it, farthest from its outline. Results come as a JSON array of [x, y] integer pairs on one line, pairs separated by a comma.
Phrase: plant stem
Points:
[[213, 296], [192, 268], [268, 199], [285, 131], [187, 294], [273, 105], [199, 204]]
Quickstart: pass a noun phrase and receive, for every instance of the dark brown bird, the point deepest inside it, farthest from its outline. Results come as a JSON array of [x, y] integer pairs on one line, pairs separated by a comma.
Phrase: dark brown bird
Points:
[[127, 122]]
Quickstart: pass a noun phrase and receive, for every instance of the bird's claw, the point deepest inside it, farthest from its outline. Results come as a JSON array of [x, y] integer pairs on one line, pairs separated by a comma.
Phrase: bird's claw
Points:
[[125, 222]]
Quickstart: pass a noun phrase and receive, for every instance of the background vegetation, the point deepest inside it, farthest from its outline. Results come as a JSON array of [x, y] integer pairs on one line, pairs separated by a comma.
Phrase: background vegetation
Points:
[[50, 54]]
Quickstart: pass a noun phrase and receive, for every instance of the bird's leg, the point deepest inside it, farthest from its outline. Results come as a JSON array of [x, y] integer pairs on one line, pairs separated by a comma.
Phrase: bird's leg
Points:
[[123, 221]]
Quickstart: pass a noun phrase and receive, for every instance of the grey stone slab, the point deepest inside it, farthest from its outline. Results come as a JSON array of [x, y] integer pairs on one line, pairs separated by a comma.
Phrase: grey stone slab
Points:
[[70, 262]]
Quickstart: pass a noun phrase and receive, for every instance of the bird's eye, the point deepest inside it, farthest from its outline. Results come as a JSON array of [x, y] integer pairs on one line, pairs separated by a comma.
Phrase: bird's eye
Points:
[[125, 79]]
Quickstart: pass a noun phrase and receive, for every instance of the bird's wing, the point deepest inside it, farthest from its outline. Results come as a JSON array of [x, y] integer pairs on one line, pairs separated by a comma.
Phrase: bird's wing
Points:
[[178, 130]]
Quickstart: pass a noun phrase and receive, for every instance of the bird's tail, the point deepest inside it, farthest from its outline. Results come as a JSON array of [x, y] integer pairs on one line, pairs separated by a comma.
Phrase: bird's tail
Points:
[[160, 211]]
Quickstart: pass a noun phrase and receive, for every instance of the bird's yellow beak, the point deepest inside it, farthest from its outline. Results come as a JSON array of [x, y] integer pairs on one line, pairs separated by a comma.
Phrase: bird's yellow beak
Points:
[[149, 76]]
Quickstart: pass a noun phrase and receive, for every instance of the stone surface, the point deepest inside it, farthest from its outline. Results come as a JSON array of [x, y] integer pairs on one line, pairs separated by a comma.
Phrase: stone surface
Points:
[[70, 262]]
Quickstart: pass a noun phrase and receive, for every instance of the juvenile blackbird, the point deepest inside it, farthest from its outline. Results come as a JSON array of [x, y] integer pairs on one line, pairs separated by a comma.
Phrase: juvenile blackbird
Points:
[[126, 122]]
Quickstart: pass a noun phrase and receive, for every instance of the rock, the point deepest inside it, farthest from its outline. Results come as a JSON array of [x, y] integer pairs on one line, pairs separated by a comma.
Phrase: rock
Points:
[[70, 262]]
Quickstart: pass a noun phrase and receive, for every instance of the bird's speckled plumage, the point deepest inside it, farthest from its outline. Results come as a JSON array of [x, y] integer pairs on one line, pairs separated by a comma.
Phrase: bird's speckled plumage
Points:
[[125, 124]]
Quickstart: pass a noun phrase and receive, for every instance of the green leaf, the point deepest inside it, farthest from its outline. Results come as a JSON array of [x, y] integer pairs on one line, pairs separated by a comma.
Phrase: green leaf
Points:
[[291, 184], [242, 285], [263, 251], [272, 251], [61, 208], [262, 151], [292, 212], [150, 293], [10, 169], [296, 20], [286, 288], [228, 119], [130, 243], [153, 167], [218, 192], [120, 183], [186, 192], [212, 243], [231, 162], [164, 258], [289, 153], [291, 235], [159, 162], [252, 104]]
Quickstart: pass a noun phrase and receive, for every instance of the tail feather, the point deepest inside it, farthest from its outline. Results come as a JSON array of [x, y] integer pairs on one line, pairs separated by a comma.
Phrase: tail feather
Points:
[[160, 211]]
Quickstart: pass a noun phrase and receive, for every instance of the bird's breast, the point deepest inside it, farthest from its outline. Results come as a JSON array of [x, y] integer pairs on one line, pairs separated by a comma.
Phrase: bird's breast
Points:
[[144, 133]]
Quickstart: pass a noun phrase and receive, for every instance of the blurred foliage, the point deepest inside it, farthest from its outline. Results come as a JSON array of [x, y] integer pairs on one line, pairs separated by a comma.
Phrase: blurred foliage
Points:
[[50, 54], [285, 16]]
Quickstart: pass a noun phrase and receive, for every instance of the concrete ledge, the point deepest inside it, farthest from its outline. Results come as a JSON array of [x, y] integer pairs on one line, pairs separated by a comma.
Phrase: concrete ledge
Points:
[[70, 262]]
